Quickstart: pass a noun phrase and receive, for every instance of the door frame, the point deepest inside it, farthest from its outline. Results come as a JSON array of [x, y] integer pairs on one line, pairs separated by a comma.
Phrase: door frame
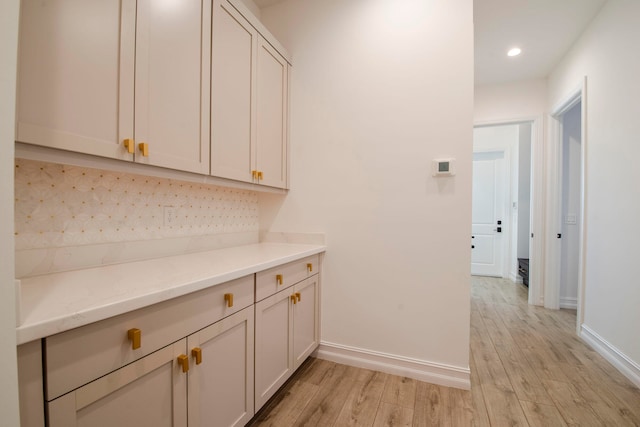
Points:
[[537, 207], [554, 211]]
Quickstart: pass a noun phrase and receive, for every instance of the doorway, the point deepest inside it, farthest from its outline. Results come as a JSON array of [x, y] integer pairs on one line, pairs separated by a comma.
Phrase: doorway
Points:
[[570, 219], [501, 199], [565, 249]]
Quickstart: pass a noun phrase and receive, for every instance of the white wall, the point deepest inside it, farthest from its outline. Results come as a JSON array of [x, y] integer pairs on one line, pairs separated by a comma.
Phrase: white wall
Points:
[[8, 369], [570, 250], [607, 54], [507, 101], [379, 90]]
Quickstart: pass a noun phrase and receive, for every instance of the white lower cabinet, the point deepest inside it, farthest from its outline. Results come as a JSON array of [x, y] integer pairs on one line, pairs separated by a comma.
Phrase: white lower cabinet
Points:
[[211, 358], [287, 332], [220, 387], [306, 317], [274, 336], [149, 392], [205, 378]]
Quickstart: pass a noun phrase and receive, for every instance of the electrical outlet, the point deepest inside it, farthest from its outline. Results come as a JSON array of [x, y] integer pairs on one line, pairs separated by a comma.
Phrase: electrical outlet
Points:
[[170, 215]]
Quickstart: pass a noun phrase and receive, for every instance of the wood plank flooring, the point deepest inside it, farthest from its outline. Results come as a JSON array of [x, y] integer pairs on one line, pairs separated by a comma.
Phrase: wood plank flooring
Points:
[[528, 368]]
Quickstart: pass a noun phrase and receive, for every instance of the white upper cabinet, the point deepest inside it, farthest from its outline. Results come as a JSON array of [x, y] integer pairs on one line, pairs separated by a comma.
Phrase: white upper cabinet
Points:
[[75, 75], [272, 114], [192, 85], [172, 65], [233, 75], [249, 102], [96, 73]]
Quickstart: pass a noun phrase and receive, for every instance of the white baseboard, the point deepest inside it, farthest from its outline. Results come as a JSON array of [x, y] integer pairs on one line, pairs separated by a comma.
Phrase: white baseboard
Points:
[[435, 373], [566, 302], [623, 363]]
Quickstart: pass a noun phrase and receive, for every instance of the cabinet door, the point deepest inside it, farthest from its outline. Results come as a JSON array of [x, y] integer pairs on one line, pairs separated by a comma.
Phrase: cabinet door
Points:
[[274, 339], [232, 94], [76, 75], [150, 392], [221, 385], [306, 316], [272, 114], [170, 114]]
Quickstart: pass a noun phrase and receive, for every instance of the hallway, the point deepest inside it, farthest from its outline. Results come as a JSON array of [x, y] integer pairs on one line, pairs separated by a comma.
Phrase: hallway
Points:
[[528, 368]]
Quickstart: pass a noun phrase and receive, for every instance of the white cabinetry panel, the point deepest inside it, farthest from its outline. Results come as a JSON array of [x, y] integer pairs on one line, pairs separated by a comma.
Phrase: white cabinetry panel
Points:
[[232, 92], [76, 75], [149, 392], [171, 67], [272, 113], [221, 386]]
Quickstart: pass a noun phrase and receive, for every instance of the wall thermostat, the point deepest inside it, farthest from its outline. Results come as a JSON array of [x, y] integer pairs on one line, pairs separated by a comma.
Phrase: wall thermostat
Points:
[[444, 167]]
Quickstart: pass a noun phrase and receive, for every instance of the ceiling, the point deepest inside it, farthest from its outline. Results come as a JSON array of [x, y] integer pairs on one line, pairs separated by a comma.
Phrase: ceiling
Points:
[[543, 29]]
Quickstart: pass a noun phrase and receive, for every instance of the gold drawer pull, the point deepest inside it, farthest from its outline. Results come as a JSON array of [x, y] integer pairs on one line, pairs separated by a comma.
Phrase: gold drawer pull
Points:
[[196, 352], [183, 361], [298, 296], [229, 299], [129, 145], [279, 279], [260, 176], [135, 336], [144, 149], [310, 267], [293, 299]]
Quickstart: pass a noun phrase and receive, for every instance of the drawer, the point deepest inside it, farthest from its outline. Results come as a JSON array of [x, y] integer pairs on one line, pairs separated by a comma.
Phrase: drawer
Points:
[[268, 282], [75, 357]]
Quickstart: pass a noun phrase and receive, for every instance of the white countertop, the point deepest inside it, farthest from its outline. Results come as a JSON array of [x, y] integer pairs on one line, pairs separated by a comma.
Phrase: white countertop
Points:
[[57, 302]]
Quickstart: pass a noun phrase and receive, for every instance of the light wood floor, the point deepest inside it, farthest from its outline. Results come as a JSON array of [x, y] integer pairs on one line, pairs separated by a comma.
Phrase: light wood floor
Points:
[[528, 368]]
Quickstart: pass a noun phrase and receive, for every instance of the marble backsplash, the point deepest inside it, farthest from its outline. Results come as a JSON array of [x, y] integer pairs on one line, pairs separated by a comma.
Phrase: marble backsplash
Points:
[[66, 208]]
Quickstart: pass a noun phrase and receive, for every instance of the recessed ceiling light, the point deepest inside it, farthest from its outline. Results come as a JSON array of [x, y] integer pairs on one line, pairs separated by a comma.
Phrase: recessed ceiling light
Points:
[[514, 51]]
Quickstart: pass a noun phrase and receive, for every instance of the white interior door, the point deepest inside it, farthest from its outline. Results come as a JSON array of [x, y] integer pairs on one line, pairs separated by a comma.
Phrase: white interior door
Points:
[[489, 184]]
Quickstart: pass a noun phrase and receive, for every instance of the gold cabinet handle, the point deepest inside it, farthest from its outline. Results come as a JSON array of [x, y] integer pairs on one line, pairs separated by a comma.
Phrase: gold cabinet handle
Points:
[[129, 145], [135, 336], [279, 279], [298, 296], [196, 353], [260, 176], [229, 299], [254, 174], [310, 267], [293, 299], [183, 361], [144, 149]]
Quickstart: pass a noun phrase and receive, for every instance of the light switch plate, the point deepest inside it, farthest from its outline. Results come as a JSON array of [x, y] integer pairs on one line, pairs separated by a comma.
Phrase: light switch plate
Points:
[[170, 214]]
